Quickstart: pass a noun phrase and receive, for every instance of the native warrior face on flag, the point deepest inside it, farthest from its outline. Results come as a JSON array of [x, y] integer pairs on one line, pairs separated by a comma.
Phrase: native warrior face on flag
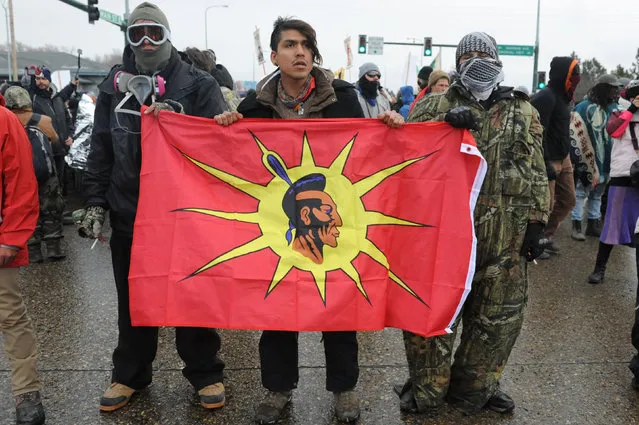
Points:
[[313, 216], [298, 216]]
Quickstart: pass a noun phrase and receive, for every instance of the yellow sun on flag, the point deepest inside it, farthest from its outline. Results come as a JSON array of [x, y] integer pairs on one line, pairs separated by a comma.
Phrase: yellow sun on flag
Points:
[[342, 201]]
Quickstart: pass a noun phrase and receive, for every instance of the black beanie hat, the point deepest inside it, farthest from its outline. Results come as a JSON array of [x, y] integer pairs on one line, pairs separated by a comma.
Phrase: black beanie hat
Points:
[[424, 73]]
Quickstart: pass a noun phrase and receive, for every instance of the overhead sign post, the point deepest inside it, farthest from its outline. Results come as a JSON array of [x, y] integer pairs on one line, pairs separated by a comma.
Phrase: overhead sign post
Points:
[[515, 50], [375, 45]]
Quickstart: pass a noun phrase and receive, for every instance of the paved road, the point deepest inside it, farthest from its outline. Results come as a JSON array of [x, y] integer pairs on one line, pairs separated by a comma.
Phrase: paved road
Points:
[[569, 365]]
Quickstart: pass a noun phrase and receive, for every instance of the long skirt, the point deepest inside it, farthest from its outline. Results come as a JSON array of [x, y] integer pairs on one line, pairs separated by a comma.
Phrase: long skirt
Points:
[[622, 214]]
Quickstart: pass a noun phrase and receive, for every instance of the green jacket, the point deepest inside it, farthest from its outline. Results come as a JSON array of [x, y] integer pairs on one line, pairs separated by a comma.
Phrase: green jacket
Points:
[[510, 139]]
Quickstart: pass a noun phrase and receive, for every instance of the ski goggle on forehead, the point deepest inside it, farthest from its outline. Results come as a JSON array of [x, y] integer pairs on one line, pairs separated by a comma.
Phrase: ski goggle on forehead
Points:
[[157, 34]]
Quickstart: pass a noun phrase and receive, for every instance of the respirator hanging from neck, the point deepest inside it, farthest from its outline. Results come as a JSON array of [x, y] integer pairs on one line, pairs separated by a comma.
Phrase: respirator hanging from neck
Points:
[[138, 86]]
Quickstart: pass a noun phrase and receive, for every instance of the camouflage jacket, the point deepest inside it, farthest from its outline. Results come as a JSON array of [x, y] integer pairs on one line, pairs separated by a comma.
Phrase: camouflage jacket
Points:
[[510, 139]]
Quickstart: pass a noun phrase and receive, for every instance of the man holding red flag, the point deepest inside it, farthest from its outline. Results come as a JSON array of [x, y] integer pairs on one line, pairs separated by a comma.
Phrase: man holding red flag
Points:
[[299, 88], [152, 70], [509, 220]]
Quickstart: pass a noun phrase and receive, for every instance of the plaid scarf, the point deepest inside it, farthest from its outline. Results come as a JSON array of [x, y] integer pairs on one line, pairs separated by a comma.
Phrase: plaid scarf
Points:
[[295, 103]]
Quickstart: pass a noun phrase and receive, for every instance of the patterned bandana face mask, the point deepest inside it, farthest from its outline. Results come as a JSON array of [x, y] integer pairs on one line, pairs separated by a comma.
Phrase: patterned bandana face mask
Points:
[[480, 76]]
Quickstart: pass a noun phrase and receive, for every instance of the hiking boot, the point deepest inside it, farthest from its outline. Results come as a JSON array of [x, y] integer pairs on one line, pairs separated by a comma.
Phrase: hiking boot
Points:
[[29, 410], [407, 402], [346, 406], [593, 228], [54, 249], [552, 248], [212, 396], [597, 276], [544, 256], [35, 254], [577, 233], [500, 402], [115, 397], [270, 410]]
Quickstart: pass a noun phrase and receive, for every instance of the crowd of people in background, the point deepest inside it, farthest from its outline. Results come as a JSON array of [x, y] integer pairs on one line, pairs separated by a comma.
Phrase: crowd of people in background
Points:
[[549, 156]]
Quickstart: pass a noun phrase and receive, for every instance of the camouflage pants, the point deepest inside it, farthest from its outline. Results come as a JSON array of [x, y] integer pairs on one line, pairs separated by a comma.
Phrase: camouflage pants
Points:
[[51, 209], [492, 318]]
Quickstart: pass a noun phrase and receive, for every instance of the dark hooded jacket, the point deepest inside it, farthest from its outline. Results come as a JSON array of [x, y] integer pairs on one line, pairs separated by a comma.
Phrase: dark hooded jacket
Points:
[[553, 105], [113, 177], [51, 104]]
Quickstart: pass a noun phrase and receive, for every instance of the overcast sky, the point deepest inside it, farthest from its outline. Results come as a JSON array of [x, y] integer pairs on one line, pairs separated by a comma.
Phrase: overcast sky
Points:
[[589, 27]]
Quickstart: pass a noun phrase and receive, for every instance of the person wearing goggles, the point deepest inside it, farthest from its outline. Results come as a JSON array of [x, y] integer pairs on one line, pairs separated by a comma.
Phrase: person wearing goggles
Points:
[[372, 98], [112, 183], [156, 34]]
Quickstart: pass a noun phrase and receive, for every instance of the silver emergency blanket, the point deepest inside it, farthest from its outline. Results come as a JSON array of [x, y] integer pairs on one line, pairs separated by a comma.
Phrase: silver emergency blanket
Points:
[[79, 151]]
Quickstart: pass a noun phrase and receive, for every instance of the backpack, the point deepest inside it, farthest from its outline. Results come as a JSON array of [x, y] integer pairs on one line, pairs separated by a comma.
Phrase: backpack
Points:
[[42, 152]]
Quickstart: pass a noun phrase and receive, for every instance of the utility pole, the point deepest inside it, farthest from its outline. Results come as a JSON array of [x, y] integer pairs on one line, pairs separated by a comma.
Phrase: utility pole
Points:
[[6, 19], [126, 19], [536, 60], [14, 55]]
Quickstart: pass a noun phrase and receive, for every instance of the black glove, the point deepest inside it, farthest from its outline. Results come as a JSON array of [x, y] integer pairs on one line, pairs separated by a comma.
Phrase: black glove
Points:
[[462, 117], [632, 108], [535, 241], [550, 171]]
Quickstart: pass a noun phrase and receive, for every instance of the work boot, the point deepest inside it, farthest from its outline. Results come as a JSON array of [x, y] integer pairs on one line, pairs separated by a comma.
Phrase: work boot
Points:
[[29, 410], [577, 233], [598, 275], [35, 253], [552, 247], [346, 406], [500, 402], [115, 397], [54, 249], [270, 410], [593, 228], [407, 402], [544, 256], [212, 396]]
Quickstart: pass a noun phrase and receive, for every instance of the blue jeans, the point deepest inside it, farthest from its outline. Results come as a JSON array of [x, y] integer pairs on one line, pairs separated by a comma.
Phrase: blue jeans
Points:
[[594, 202]]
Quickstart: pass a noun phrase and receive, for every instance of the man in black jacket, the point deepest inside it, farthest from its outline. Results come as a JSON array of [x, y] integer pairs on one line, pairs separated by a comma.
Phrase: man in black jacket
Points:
[[113, 182], [47, 102], [553, 104], [299, 89]]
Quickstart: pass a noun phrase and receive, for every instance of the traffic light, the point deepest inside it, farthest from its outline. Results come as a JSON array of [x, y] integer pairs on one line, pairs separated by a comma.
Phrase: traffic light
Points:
[[428, 46], [93, 11], [362, 45], [541, 79]]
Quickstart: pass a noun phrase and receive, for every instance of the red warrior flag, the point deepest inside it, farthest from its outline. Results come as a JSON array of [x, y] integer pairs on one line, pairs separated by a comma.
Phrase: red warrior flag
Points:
[[304, 225]]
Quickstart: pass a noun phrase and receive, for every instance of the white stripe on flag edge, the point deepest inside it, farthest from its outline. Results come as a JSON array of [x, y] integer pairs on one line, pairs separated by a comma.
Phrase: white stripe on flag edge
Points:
[[479, 180]]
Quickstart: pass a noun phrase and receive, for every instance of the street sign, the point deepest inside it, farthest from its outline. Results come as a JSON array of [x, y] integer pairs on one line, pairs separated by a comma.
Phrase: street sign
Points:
[[105, 15], [375, 45], [514, 50]]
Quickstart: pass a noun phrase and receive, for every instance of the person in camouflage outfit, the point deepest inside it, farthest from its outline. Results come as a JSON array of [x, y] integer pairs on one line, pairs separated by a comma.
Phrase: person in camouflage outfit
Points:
[[511, 211], [49, 227]]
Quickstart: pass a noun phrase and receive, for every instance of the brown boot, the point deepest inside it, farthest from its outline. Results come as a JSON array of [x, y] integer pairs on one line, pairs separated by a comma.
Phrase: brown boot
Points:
[[346, 406], [212, 396], [115, 397]]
